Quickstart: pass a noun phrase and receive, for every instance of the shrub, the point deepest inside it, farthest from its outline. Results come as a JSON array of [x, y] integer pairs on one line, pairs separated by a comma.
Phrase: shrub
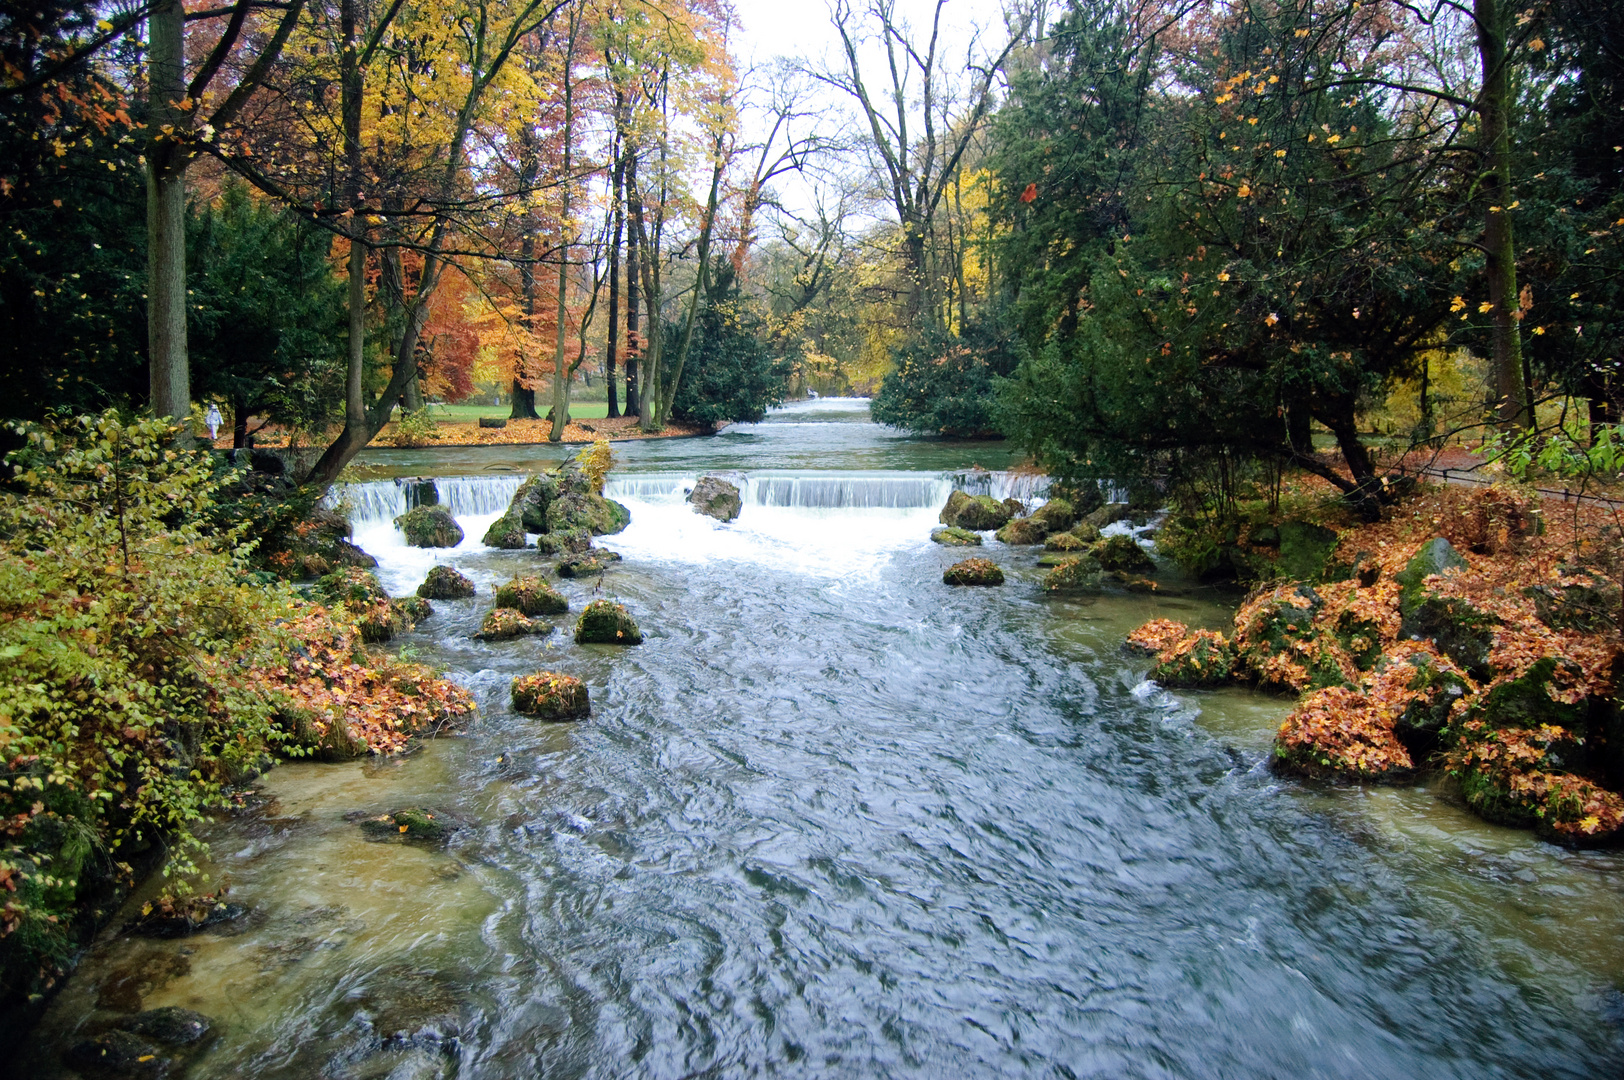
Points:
[[416, 429], [943, 384]]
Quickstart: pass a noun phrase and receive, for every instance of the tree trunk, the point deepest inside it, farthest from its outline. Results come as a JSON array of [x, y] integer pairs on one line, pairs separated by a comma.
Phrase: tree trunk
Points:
[[561, 375], [668, 391], [170, 375], [239, 425], [634, 344], [611, 345], [1510, 377], [524, 403], [524, 398]]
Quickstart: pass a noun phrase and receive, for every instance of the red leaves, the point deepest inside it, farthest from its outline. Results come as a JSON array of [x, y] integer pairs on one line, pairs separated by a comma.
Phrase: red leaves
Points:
[[1030, 193]]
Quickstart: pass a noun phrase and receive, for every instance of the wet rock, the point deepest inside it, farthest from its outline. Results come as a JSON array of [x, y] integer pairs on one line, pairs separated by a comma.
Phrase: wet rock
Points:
[[117, 1054], [1107, 514], [589, 511], [605, 622], [430, 526], [1202, 658], [1052, 559], [352, 587], [531, 596], [1015, 507], [122, 989], [1588, 604], [1461, 631], [953, 536], [1063, 542], [1023, 531], [974, 572], [1304, 549], [1276, 640], [530, 502], [1087, 532], [975, 512], [715, 497], [412, 823], [1121, 553], [411, 610], [1436, 556], [1073, 573], [171, 918], [169, 1025], [1057, 514], [1135, 584], [504, 624], [446, 583], [549, 695], [587, 563], [563, 542], [506, 532]]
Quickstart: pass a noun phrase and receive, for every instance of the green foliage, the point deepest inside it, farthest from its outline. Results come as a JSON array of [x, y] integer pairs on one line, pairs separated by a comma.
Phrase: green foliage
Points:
[[416, 429], [128, 623], [730, 374], [944, 384]]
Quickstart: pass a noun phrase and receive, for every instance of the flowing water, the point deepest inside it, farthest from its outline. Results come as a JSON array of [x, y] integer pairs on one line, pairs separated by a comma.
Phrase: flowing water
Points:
[[837, 819]]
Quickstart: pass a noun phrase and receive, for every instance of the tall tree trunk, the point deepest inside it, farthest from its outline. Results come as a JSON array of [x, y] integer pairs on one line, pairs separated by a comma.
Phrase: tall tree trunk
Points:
[[634, 344], [524, 397], [668, 391], [1510, 377], [168, 368], [561, 374], [611, 345], [239, 424]]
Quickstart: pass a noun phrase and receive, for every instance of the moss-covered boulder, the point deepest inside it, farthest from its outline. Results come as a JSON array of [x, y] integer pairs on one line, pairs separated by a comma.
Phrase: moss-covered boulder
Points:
[[1057, 515], [352, 587], [605, 622], [1064, 542], [1436, 556], [531, 596], [506, 532], [446, 583], [504, 624], [1339, 731], [548, 695], [1519, 777], [1087, 532], [1023, 531], [592, 512], [117, 1055], [563, 542], [1279, 643], [1134, 583], [975, 512], [717, 498], [1074, 572], [974, 572], [169, 1025], [1582, 601], [430, 527], [530, 502], [1121, 553], [1156, 636], [411, 610], [413, 824], [1461, 631], [587, 563], [1304, 549], [953, 536], [1052, 559], [1201, 658], [1107, 514]]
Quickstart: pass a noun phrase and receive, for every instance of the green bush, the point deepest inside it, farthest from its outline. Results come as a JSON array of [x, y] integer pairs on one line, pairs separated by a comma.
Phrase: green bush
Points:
[[944, 384]]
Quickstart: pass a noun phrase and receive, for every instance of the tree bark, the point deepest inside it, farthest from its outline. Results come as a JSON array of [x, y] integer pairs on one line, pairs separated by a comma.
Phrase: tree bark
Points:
[[561, 375], [634, 212], [612, 343], [168, 368], [1510, 377]]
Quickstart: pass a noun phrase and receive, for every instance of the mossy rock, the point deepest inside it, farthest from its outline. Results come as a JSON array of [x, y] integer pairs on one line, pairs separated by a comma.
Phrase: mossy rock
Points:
[[1107, 514], [1073, 572], [351, 587], [1057, 515], [717, 498], [974, 572], [1064, 541], [1361, 638], [531, 501], [978, 513], [953, 536], [1052, 559], [564, 542], [446, 583], [1203, 658], [591, 512], [1085, 531], [506, 532], [1304, 549], [1135, 584], [531, 596], [1459, 630], [605, 622], [548, 695], [169, 1025], [319, 740], [414, 824], [430, 527], [1586, 606], [1023, 531], [1436, 556], [1426, 717], [1121, 553], [504, 624], [412, 610], [587, 563], [117, 1055], [1015, 507], [1526, 702]]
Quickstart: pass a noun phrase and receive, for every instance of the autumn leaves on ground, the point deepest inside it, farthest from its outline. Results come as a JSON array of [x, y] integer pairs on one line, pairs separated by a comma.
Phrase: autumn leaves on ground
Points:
[[1471, 633]]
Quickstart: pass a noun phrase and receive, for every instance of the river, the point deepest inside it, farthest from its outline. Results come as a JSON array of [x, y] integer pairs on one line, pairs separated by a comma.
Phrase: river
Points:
[[836, 819]]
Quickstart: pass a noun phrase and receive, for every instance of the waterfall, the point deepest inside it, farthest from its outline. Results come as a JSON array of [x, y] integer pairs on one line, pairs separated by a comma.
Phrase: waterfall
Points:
[[368, 504], [1002, 485], [470, 495], [650, 487], [376, 503], [847, 492]]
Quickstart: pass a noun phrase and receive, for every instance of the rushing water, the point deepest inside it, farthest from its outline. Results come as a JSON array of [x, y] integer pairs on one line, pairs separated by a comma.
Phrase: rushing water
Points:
[[835, 818]]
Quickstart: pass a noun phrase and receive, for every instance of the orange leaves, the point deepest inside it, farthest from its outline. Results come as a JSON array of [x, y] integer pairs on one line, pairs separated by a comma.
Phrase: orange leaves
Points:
[[1030, 194], [1339, 730], [1157, 635]]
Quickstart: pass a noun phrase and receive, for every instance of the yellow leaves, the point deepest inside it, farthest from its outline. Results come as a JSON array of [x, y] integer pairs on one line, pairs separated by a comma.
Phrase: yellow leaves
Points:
[[1244, 191], [103, 25], [1223, 275], [1332, 140], [1300, 32], [1279, 153], [1223, 99], [1457, 304], [1271, 319], [1538, 331]]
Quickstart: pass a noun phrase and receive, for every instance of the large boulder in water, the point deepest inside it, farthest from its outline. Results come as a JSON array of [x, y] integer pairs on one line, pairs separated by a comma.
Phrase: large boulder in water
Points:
[[975, 512], [605, 622], [506, 532], [446, 583], [1023, 531], [1057, 515], [504, 624], [973, 572], [594, 513], [715, 497], [587, 563], [953, 536], [1121, 553], [551, 696], [531, 596], [430, 526], [564, 542], [530, 502]]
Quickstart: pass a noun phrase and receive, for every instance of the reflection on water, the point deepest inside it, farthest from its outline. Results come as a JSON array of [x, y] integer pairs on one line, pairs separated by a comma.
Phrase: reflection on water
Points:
[[838, 819]]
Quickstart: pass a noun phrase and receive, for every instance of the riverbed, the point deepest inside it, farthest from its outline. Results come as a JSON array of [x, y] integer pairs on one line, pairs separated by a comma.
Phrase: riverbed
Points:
[[837, 819]]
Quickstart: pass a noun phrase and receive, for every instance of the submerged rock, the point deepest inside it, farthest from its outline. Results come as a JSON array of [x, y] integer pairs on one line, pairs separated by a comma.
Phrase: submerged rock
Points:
[[549, 695], [412, 823], [506, 532], [587, 563], [973, 572], [1023, 531], [177, 918], [605, 622], [715, 497], [953, 536], [1079, 572], [504, 624], [430, 526], [446, 583], [171, 1025], [117, 1054], [977, 512], [1121, 553], [531, 596]]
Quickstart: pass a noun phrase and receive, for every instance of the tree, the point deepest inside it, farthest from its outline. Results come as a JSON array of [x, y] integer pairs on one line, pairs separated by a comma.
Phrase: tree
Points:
[[730, 373]]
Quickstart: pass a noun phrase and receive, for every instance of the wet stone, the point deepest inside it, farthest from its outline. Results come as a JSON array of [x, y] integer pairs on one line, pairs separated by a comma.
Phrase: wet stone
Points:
[[170, 1025], [117, 1054], [411, 824]]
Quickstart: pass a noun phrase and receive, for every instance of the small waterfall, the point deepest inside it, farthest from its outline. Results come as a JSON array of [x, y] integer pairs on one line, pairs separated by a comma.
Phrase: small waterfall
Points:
[[847, 492], [650, 487], [1002, 485], [466, 496], [374, 502], [378, 502]]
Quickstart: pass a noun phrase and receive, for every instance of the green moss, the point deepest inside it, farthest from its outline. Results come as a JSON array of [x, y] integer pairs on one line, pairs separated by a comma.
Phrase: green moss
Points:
[[1057, 514], [1203, 659], [1023, 531], [974, 572], [976, 512], [1121, 553], [551, 696], [413, 823], [587, 563], [1064, 541], [446, 583], [504, 624], [1079, 572], [605, 622], [563, 542], [953, 536], [430, 526], [531, 596], [506, 532]]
